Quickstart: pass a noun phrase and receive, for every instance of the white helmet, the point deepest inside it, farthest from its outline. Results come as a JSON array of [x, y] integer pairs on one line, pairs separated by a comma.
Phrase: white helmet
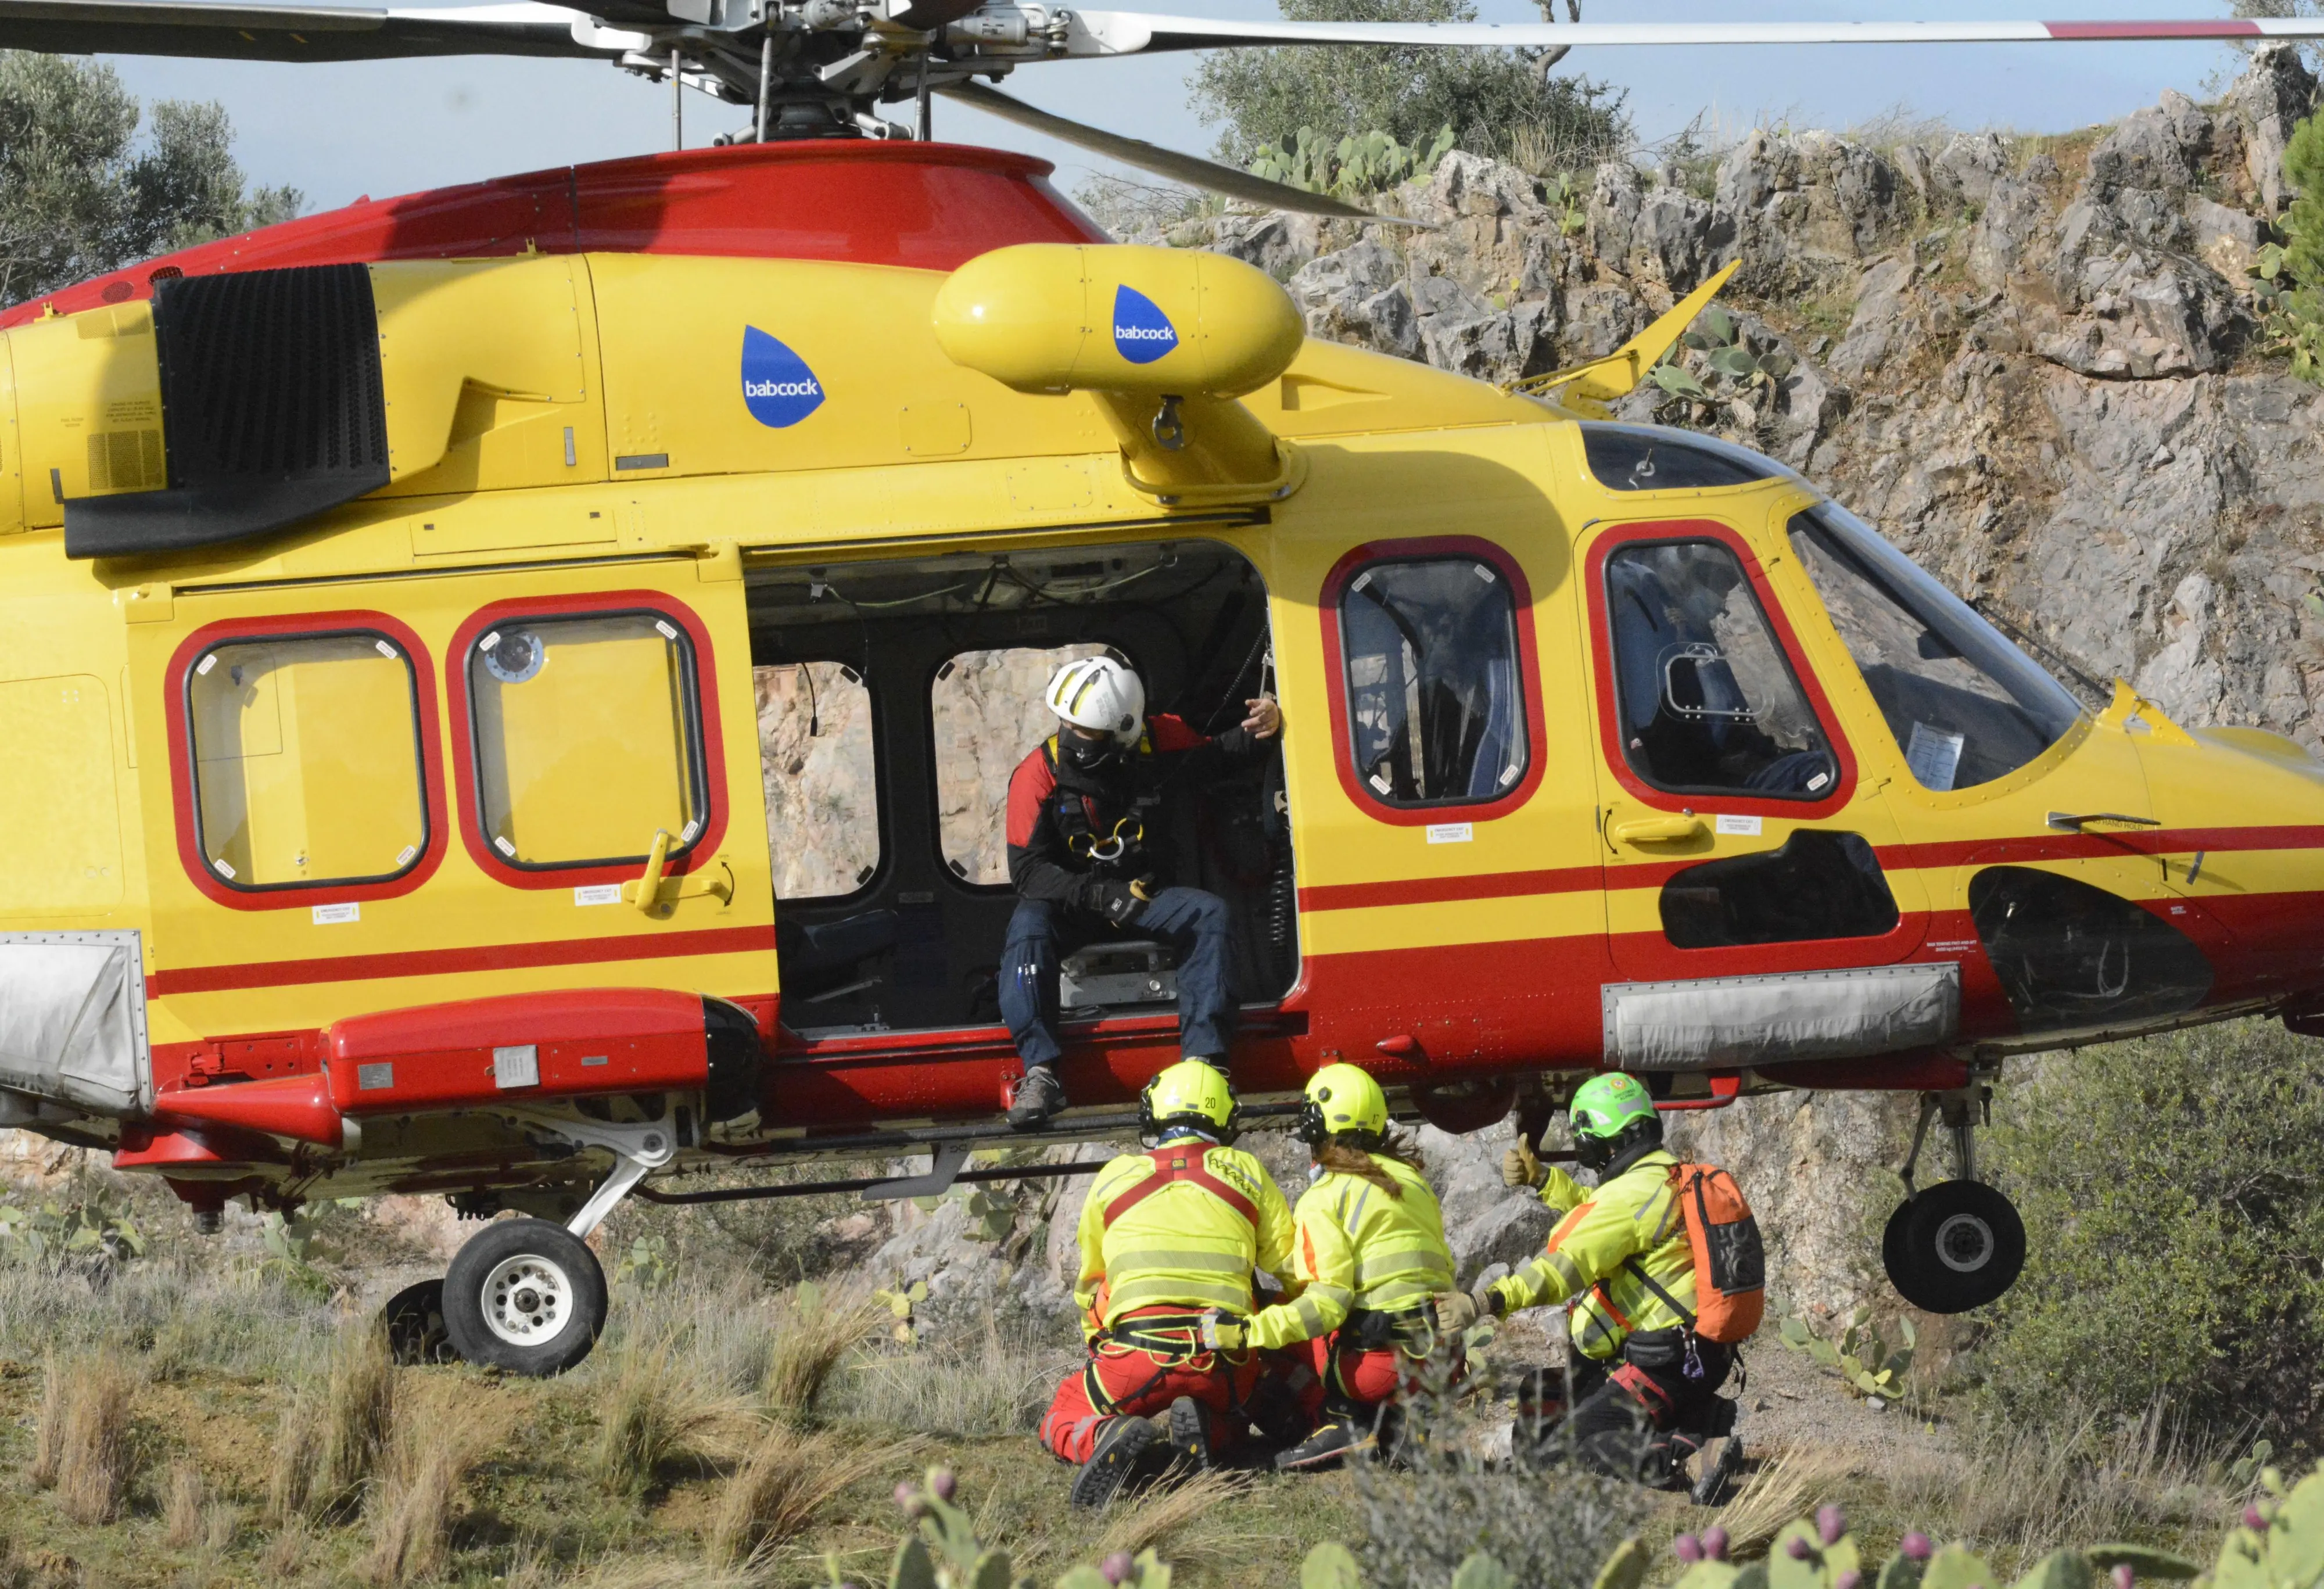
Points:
[[1100, 693]]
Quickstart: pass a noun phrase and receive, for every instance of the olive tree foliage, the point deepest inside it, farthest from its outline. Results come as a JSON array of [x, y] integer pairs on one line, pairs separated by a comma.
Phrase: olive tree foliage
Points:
[[82, 193], [2173, 1198], [1496, 101]]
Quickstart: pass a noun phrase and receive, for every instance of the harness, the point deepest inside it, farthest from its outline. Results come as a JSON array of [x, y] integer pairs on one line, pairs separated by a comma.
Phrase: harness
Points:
[[1172, 1166], [1072, 808]]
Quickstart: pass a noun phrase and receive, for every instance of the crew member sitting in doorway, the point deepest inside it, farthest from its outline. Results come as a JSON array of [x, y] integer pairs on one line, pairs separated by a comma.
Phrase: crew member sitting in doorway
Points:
[[1081, 808]]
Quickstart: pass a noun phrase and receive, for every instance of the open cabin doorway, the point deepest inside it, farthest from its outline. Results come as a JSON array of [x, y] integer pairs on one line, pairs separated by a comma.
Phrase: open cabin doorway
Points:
[[895, 697]]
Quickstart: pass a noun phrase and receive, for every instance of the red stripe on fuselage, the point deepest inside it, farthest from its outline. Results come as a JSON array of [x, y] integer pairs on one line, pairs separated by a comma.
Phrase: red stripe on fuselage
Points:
[[2048, 846], [266, 974]]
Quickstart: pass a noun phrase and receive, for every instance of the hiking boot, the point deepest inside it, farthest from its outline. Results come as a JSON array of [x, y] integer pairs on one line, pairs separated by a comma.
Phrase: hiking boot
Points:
[[1339, 1437], [1120, 1457], [1039, 1096], [1190, 1431]]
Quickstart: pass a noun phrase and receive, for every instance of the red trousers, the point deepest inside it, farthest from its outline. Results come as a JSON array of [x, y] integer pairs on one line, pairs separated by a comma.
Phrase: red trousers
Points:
[[1128, 1380], [1348, 1372]]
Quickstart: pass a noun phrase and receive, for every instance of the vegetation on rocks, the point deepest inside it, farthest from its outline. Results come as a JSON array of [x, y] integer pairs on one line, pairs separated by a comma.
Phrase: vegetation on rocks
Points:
[[2180, 1200]]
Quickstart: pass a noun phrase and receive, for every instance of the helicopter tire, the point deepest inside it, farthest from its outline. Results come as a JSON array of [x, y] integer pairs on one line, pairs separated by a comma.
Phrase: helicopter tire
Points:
[[524, 1296], [413, 1319], [1955, 1246]]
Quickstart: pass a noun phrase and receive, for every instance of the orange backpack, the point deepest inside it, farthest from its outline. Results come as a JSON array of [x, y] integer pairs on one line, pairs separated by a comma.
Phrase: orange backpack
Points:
[[1730, 1262]]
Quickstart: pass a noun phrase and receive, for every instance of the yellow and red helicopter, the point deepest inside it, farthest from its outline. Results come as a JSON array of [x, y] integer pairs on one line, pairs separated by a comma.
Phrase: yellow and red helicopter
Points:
[[417, 623]]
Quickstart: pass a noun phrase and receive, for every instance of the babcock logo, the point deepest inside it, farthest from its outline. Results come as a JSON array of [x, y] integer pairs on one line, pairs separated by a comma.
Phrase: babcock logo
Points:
[[1142, 333], [777, 387]]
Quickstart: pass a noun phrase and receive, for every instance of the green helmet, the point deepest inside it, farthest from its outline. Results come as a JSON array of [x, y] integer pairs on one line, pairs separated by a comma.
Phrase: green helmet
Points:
[[1605, 1106]]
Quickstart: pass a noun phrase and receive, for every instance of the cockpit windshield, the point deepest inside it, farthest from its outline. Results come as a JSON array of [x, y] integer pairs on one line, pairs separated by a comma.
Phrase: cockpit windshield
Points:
[[1965, 705]]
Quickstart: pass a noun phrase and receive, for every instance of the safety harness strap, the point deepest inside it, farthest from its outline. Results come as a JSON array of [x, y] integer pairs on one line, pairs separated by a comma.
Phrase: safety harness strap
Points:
[[1171, 1165]]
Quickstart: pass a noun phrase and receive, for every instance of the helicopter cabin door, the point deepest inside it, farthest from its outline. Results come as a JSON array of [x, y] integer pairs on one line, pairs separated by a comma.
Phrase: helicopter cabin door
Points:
[[386, 794], [1752, 871]]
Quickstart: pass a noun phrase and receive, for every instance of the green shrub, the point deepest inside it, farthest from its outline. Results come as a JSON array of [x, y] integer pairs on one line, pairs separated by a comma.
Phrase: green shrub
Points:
[[2174, 1198], [2291, 285], [1549, 1530]]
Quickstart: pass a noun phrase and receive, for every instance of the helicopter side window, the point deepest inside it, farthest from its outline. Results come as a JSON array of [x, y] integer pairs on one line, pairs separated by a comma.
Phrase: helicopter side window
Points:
[[823, 793], [1965, 705], [307, 761], [1436, 714], [587, 738], [1706, 700], [987, 710]]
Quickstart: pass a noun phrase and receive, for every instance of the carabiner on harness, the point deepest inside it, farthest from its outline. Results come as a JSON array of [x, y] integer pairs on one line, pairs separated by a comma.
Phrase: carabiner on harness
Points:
[[1110, 848]]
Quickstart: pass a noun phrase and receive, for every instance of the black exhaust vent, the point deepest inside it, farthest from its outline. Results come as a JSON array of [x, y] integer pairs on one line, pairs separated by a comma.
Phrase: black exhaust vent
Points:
[[272, 412]]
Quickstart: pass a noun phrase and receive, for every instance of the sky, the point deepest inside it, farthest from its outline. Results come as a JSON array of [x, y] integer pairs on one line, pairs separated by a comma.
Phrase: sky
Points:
[[344, 131]]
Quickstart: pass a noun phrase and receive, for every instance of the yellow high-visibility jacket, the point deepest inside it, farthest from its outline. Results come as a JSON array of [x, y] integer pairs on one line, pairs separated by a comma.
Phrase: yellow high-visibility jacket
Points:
[[1635, 1215], [1357, 1248], [1181, 1244]]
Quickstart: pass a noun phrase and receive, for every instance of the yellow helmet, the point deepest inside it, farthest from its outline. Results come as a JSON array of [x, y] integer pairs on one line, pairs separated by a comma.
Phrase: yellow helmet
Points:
[[1190, 1096], [1344, 1101]]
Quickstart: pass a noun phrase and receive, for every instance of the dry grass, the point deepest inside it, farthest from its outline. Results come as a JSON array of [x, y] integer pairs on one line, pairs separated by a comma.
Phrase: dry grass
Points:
[[660, 1573], [411, 1509], [286, 1553], [338, 1429], [657, 1410], [1161, 1514], [784, 1483], [987, 1384], [181, 1510], [83, 1448], [815, 1332], [1784, 1487], [2026, 1492]]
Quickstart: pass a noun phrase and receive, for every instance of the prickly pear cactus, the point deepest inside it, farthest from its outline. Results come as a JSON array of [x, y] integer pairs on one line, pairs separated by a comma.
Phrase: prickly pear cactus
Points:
[[2279, 1543]]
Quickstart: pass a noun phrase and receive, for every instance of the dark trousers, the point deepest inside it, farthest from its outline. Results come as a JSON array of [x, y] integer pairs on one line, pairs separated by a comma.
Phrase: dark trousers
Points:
[[1191, 921], [1626, 1417]]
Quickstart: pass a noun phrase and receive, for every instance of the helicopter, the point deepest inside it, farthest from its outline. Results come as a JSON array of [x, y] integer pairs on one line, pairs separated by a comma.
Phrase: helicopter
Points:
[[498, 685]]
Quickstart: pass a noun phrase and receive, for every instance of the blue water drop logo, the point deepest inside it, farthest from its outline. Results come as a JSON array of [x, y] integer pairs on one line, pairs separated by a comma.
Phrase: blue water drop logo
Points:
[[1142, 333], [777, 387]]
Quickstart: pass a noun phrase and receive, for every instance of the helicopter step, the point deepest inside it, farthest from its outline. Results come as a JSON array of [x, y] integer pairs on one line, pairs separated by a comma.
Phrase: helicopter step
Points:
[[1960, 1243]]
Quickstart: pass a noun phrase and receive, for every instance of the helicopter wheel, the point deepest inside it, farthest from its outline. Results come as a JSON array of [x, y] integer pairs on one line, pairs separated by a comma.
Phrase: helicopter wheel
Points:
[[1955, 1246], [525, 1296], [414, 1321]]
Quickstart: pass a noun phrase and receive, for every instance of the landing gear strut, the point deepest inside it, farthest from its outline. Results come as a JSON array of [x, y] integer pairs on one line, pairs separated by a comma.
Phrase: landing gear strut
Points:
[[526, 1295], [1958, 1245]]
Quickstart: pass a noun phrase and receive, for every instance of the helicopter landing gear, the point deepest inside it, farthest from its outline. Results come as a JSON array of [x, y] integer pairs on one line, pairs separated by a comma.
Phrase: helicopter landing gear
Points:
[[1960, 1243], [413, 1319], [527, 1295]]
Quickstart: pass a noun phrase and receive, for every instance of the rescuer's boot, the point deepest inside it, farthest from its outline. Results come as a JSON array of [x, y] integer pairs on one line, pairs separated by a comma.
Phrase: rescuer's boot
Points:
[[1039, 1095], [1337, 1438], [1120, 1455], [1190, 1431]]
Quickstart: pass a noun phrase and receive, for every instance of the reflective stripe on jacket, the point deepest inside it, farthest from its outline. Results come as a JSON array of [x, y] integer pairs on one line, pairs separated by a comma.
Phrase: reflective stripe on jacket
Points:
[[1182, 1245], [1584, 1265], [1358, 1249]]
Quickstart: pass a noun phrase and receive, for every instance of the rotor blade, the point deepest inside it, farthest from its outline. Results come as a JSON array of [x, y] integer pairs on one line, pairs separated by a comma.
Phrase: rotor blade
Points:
[[1126, 32], [301, 32], [1164, 162]]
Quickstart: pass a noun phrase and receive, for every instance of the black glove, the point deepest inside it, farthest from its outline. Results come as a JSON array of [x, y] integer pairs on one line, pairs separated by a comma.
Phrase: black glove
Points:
[[1112, 898]]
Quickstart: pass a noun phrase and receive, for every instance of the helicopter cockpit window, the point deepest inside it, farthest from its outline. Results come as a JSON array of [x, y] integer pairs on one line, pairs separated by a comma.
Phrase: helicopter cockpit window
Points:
[[306, 756], [1966, 706], [815, 762], [987, 708], [587, 738], [1435, 709], [1707, 703], [1646, 458]]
